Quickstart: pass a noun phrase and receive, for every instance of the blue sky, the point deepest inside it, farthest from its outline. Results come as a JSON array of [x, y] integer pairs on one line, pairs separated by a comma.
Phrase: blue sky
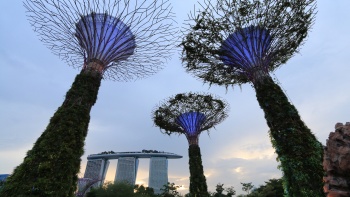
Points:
[[34, 82]]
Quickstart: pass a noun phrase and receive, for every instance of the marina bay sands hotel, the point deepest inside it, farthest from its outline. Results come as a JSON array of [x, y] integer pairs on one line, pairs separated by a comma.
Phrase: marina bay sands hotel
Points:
[[97, 166]]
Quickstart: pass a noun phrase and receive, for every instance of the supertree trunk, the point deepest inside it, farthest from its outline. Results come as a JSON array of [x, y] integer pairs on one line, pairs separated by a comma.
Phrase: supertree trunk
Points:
[[50, 168], [298, 150], [198, 184]]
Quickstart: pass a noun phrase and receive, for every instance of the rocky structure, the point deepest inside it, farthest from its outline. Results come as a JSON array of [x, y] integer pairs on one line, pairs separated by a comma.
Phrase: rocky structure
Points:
[[336, 162]]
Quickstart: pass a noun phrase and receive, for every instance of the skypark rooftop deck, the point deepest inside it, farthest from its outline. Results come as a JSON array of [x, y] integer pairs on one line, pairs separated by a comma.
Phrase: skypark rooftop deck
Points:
[[141, 154]]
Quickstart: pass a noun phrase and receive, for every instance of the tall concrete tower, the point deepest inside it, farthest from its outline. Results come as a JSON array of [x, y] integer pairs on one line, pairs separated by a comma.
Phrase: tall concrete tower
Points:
[[96, 169], [127, 169], [158, 173]]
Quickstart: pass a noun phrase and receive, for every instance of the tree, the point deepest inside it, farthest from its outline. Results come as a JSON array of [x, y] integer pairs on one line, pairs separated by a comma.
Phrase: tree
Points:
[[119, 189], [106, 39], [220, 191], [170, 190], [230, 191], [124, 189], [141, 190], [191, 114], [272, 188], [247, 187], [234, 42]]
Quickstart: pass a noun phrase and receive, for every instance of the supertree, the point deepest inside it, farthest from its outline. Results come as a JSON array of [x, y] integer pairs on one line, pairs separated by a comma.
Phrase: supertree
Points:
[[234, 42], [111, 39], [191, 114]]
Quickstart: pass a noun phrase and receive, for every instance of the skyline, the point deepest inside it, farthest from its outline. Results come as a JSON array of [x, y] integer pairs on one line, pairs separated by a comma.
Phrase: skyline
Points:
[[34, 82]]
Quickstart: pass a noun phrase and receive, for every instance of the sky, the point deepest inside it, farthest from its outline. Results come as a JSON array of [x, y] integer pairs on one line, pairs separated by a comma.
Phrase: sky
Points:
[[33, 83]]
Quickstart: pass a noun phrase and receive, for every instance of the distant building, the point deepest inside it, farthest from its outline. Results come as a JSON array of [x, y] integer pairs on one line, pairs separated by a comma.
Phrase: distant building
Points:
[[127, 166], [158, 173], [85, 184], [96, 170], [127, 170]]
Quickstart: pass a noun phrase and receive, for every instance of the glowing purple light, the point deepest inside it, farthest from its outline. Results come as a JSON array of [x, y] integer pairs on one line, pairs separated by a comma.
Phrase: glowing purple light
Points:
[[105, 38], [191, 122], [246, 48]]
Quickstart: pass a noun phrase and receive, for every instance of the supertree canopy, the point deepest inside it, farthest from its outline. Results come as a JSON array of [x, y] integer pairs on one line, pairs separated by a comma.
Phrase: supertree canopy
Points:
[[191, 123], [231, 39], [234, 42], [128, 39], [105, 38], [246, 49], [116, 39], [191, 114]]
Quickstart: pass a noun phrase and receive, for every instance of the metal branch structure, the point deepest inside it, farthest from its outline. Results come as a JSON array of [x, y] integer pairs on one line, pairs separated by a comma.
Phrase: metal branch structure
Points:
[[191, 114], [247, 49], [234, 42], [115, 39], [129, 39]]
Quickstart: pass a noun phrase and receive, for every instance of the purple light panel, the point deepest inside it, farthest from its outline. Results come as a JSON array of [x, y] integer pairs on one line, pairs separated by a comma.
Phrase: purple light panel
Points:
[[191, 122], [105, 38], [246, 48]]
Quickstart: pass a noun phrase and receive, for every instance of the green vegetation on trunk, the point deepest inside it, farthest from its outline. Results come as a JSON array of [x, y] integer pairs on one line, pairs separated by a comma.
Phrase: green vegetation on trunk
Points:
[[298, 150], [50, 168], [198, 184]]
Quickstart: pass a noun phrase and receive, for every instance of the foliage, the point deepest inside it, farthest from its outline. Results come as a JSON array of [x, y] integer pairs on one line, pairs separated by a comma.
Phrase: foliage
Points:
[[220, 191], [298, 150], [211, 111], [2, 183], [247, 187], [198, 184], [51, 166], [272, 188], [119, 189], [166, 114], [287, 23], [141, 190], [230, 191], [124, 189], [170, 190]]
